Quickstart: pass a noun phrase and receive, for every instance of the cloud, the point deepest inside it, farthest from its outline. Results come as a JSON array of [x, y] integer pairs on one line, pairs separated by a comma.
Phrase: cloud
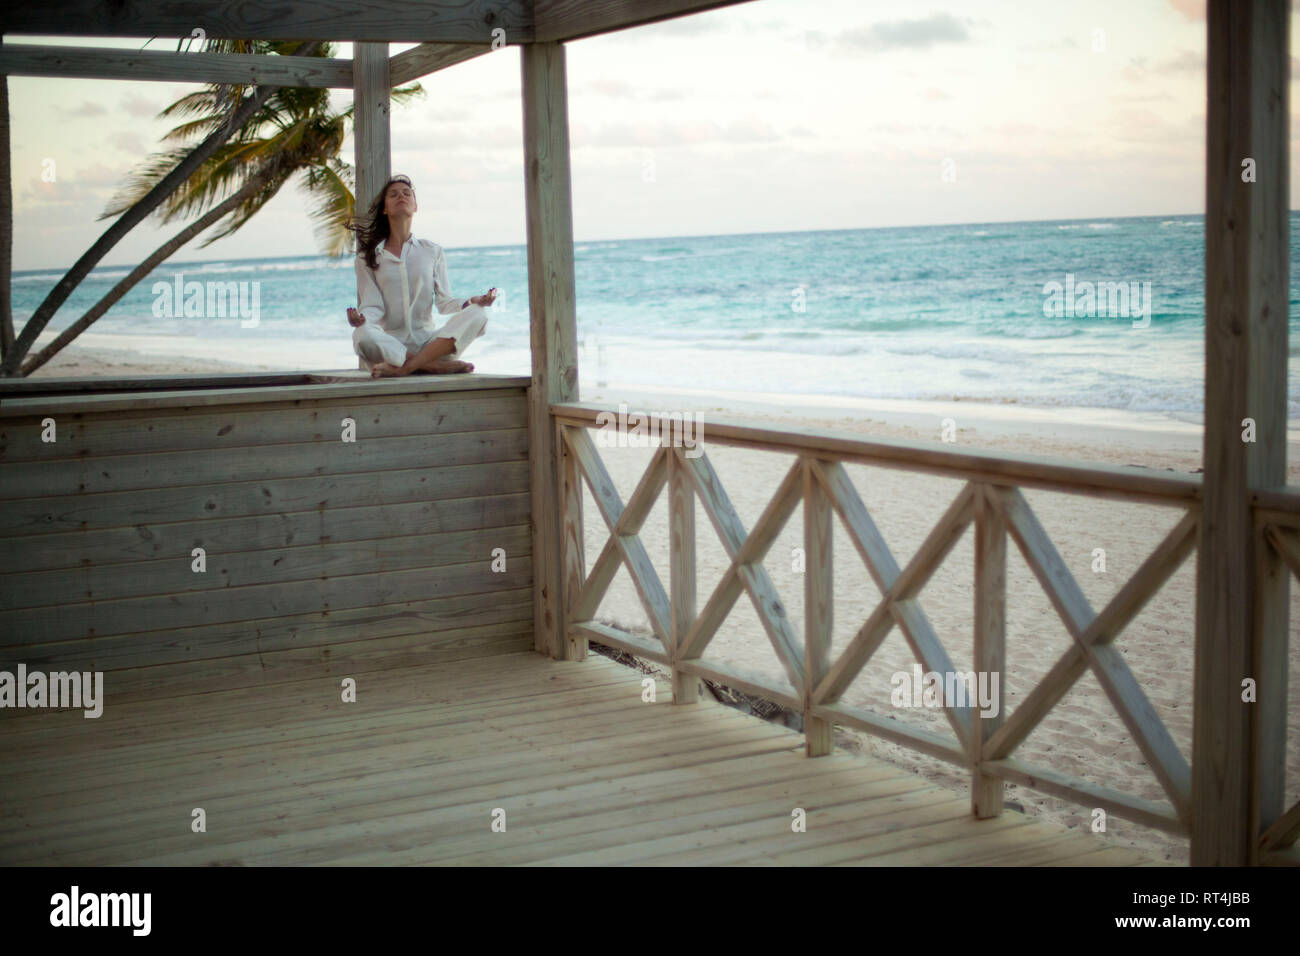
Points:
[[701, 24], [138, 105], [1050, 46], [904, 34], [436, 137], [692, 25], [606, 86], [85, 109], [1179, 65], [1184, 62], [91, 186], [1193, 10], [621, 89], [129, 142], [679, 133]]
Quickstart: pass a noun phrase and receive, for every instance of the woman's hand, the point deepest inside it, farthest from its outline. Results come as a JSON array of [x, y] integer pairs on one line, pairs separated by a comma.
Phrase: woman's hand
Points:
[[484, 300], [356, 319]]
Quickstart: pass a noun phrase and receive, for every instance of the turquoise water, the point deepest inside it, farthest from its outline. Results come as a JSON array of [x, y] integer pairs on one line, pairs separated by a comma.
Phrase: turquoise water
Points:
[[936, 312]]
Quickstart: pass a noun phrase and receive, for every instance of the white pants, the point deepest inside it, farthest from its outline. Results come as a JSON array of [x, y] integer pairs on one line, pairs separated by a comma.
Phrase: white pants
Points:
[[374, 345]]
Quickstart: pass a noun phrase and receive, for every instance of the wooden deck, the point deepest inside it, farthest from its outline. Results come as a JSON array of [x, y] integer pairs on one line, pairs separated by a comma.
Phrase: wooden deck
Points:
[[412, 773]]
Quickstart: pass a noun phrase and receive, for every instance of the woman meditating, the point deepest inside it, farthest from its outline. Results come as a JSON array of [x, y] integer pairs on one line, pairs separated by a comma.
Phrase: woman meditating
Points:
[[399, 279]]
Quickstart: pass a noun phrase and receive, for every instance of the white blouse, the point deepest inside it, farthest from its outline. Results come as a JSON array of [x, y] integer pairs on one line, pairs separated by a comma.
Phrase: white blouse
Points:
[[399, 295]]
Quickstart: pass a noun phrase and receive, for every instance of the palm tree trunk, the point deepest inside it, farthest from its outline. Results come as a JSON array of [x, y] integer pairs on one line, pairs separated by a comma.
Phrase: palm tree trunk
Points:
[[161, 254], [147, 204]]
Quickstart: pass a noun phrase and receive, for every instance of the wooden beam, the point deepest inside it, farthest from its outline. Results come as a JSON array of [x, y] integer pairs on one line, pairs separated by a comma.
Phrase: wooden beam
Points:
[[6, 221], [1241, 594], [448, 21], [1116, 803], [430, 57], [990, 657], [572, 19], [572, 546], [253, 69], [1283, 832], [371, 124], [584, 631], [681, 572], [553, 321], [819, 605], [1000, 468]]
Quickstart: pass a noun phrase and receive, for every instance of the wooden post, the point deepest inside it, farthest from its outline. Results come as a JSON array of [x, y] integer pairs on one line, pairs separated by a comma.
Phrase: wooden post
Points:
[[819, 604], [681, 571], [6, 225], [990, 645], [1240, 599], [370, 135], [572, 543], [553, 323]]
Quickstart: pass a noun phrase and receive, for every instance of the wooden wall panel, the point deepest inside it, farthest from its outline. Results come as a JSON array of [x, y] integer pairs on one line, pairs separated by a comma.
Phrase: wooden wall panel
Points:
[[310, 541]]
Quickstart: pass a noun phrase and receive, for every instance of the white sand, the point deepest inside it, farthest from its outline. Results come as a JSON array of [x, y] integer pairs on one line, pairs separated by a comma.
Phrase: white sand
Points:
[[78, 361], [1082, 735]]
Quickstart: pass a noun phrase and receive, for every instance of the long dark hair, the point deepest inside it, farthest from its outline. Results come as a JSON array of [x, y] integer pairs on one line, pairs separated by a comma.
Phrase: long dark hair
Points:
[[375, 229]]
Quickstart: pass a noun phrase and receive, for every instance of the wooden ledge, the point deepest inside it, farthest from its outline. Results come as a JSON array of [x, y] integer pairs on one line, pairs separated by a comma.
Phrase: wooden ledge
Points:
[[72, 395]]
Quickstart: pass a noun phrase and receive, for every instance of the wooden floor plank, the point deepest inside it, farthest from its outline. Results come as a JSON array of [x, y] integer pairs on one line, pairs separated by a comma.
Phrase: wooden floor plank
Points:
[[506, 677], [254, 771], [768, 826], [828, 840], [637, 798], [585, 706], [592, 832], [586, 772], [466, 780]]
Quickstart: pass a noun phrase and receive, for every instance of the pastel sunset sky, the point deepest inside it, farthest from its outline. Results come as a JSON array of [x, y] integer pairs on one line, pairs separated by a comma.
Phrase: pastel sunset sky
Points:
[[766, 116]]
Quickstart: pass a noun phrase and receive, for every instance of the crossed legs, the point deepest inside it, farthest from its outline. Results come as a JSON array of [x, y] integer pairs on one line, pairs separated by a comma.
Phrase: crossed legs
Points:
[[432, 358], [388, 356]]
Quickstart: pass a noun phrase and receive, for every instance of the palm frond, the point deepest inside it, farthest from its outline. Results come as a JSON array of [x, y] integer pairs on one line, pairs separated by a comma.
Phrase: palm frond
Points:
[[142, 179], [294, 130], [330, 188], [221, 176], [248, 208]]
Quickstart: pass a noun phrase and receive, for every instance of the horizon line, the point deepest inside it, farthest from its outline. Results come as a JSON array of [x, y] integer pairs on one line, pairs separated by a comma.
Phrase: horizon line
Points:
[[709, 235]]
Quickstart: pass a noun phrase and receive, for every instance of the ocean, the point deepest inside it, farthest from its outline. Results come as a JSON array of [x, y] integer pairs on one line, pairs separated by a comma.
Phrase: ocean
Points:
[[1105, 313]]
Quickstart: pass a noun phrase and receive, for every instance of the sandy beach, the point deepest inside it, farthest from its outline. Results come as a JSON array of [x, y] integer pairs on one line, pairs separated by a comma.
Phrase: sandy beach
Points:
[[1083, 735]]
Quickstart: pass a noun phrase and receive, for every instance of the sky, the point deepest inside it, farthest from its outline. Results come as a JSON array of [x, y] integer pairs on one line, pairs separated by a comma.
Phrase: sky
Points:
[[766, 116]]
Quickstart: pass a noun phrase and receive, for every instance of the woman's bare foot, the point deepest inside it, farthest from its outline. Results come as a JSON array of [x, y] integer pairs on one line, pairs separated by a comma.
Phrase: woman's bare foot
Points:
[[385, 370], [450, 367]]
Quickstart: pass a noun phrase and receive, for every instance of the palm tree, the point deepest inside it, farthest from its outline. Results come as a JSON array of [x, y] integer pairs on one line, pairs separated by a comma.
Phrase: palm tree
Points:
[[132, 217], [292, 134]]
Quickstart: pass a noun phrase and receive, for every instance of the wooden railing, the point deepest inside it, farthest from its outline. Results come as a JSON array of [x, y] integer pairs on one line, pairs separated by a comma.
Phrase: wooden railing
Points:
[[991, 499]]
